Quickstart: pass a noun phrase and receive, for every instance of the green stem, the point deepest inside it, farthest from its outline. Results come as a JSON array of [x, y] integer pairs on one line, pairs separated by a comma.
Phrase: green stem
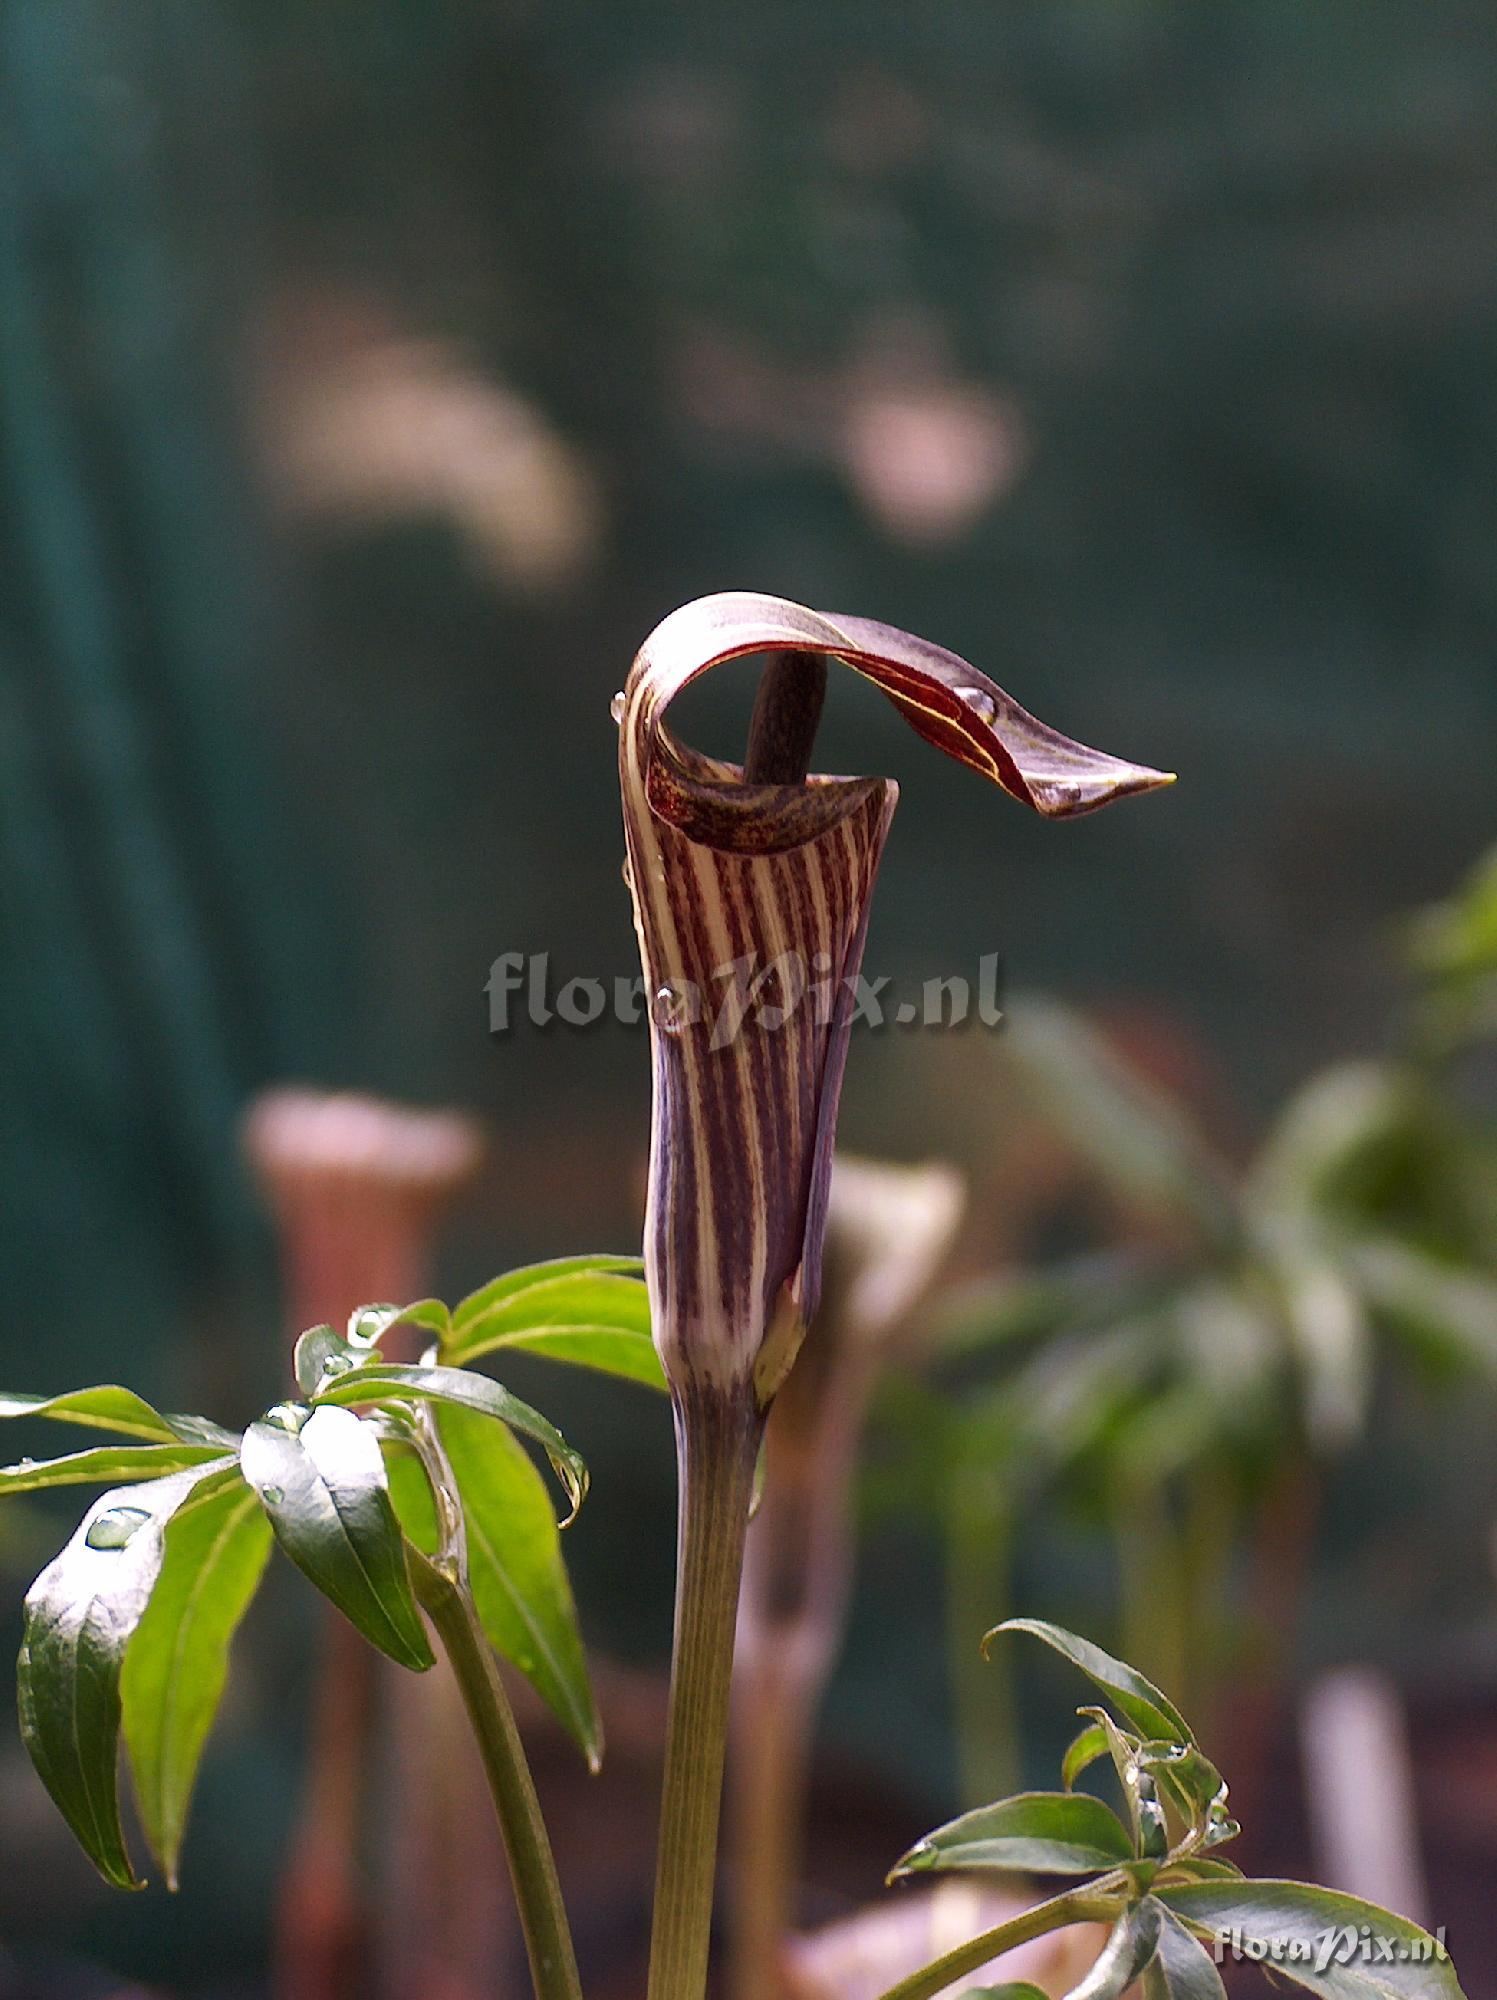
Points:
[[1076, 1906], [717, 1444], [978, 1557], [543, 1917]]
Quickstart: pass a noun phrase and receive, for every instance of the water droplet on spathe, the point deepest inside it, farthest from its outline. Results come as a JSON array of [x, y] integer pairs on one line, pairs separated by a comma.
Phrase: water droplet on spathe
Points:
[[980, 702], [671, 1009], [616, 706], [114, 1527]]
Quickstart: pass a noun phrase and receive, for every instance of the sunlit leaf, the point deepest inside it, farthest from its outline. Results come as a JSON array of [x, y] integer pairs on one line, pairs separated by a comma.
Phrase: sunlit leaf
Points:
[[177, 1661], [592, 1318], [321, 1479], [105, 1465], [500, 1291], [1035, 1833], [107, 1408], [1136, 1698], [80, 1615]]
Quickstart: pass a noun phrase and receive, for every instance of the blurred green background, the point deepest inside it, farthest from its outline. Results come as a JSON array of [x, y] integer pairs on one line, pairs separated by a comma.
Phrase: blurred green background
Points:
[[372, 380]]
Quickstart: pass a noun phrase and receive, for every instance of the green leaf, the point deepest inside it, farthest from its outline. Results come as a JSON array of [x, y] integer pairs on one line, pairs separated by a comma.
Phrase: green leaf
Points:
[[389, 1381], [1013, 1989], [321, 1479], [1203, 1868], [515, 1568], [105, 1465], [178, 1659], [498, 1291], [594, 1317], [1315, 1936], [1136, 1698], [1191, 1780], [107, 1408], [1140, 1141], [369, 1324], [1183, 1968], [1082, 1753], [1035, 1833], [80, 1615], [1132, 1944]]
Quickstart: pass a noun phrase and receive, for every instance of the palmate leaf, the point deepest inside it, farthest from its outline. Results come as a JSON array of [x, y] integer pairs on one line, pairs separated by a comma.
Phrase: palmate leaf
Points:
[[177, 1662], [105, 1465], [321, 1479], [388, 1381], [515, 1567], [1338, 1946], [80, 1616], [1137, 1699], [1035, 1833]]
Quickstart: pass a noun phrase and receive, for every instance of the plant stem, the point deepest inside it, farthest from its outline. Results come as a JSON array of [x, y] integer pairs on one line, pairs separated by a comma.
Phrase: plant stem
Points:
[[979, 1527], [1076, 1906], [717, 1444], [774, 1708], [543, 1917]]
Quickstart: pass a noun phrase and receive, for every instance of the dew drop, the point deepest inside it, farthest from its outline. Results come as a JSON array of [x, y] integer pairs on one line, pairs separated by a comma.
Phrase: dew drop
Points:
[[670, 1009], [114, 1527], [273, 1495], [616, 706], [339, 1364], [26, 1463], [287, 1416], [980, 702]]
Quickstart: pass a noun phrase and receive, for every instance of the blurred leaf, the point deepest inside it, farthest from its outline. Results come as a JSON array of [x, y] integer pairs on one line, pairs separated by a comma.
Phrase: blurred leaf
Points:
[[80, 1615], [516, 1571], [1182, 1968], [104, 1464], [323, 1486], [1013, 1989], [1133, 1942], [1036, 1833], [1332, 1342], [389, 1381], [1448, 1315], [1136, 1698], [1300, 1926], [1140, 1141], [177, 1661]]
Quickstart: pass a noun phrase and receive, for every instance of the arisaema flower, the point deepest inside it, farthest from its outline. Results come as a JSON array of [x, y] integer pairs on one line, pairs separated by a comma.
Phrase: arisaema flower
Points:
[[751, 902]]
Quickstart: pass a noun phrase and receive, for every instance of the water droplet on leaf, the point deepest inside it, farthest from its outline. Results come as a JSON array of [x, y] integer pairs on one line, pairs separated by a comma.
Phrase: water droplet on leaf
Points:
[[980, 702], [114, 1527], [339, 1364], [273, 1496], [287, 1416]]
